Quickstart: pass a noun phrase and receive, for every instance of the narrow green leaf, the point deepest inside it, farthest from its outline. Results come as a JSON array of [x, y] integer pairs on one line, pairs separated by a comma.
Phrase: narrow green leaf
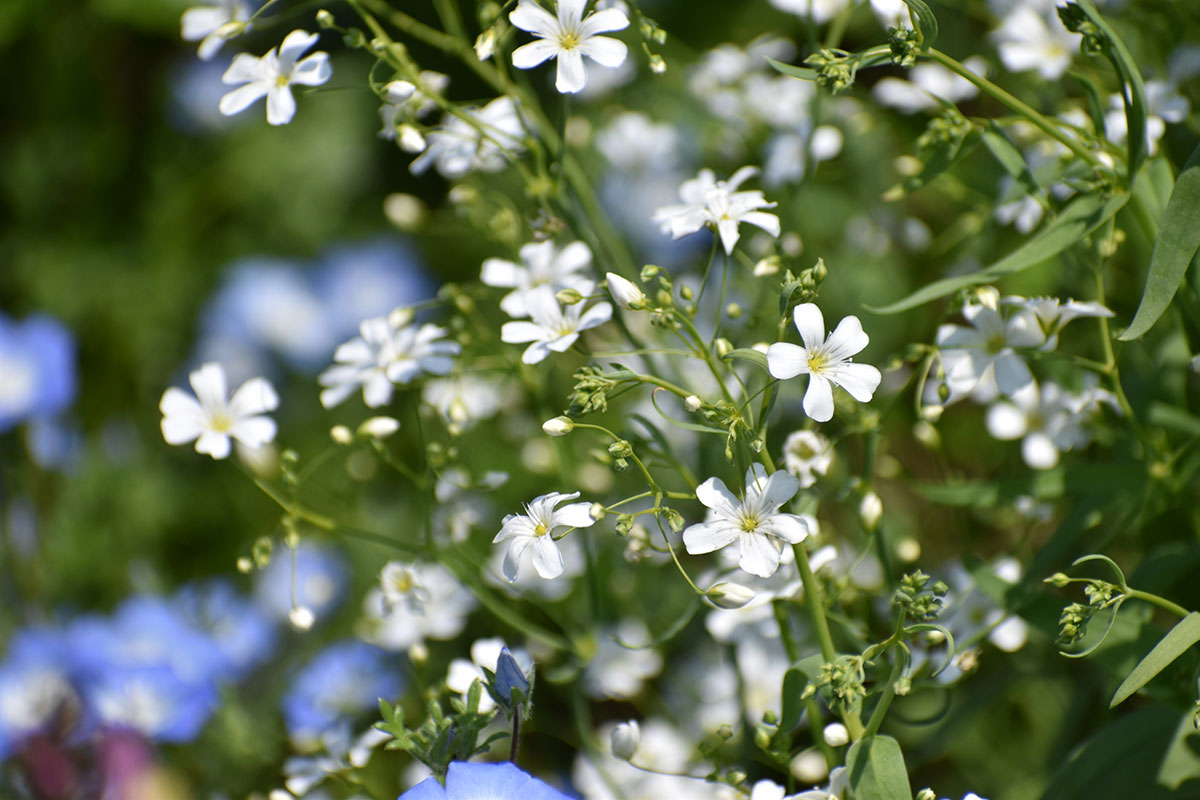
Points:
[[1080, 218], [1121, 759], [876, 769], [1177, 244], [1177, 642], [1009, 157], [803, 73], [794, 681], [927, 23], [746, 354]]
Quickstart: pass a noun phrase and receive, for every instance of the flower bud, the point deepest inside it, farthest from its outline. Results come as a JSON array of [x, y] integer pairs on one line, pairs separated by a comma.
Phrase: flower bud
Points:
[[597, 511], [485, 44], [569, 297], [625, 740], [686, 292], [558, 426], [411, 140], [729, 595], [692, 403], [926, 794], [1058, 580], [733, 310], [379, 427], [836, 734], [809, 767], [245, 565], [649, 271], [767, 266], [341, 434], [627, 295], [870, 510], [724, 347], [397, 92], [324, 19], [400, 317], [657, 65], [302, 618]]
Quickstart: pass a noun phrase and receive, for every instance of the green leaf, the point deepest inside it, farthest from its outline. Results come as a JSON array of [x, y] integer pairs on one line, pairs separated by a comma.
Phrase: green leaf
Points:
[[1177, 244], [1177, 642], [1080, 218], [927, 23], [746, 354], [794, 681], [1009, 157], [1121, 760], [1135, 98], [876, 769], [803, 73]]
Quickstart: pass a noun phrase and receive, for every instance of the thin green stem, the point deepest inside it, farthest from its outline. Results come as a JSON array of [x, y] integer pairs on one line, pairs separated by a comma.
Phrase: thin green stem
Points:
[[1161, 602]]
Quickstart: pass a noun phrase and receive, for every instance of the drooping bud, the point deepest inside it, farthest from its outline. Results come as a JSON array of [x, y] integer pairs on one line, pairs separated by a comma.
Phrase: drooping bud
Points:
[[626, 293], [302, 618], [341, 434], [568, 297], [379, 427], [485, 44], [397, 92], [870, 510]]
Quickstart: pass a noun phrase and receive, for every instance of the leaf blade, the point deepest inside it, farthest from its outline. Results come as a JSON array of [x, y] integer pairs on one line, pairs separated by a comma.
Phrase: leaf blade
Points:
[[876, 768], [1175, 643]]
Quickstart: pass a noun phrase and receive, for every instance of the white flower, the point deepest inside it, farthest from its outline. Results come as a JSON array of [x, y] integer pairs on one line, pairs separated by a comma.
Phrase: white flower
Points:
[[558, 426], [820, 11], [707, 201], [435, 606], [401, 586], [553, 328], [1027, 39], [272, 77], [383, 354], [405, 100], [535, 529], [806, 455], [926, 85], [825, 360], [1049, 420], [460, 147], [1163, 104], [542, 264], [217, 417], [203, 23], [625, 739], [970, 355], [1053, 314], [568, 37], [755, 522], [625, 292], [464, 399]]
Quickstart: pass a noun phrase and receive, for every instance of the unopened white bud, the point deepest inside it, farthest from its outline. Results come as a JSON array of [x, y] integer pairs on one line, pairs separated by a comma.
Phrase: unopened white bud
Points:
[[988, 296], [597, 511], [870, 510], [809, 767], [657, 65], [767, 266], [379, 427], [280, 794], [729, 595], [568, 297], [908, 550], [411, 140], [397, 92], [405, 211], [693, 403], [724, 347], [558, 426], [625, 740], [926, 794], [836, 734], [302, 618], [400, 317], [625, 292], [485, 44], [325, 19], [341, 434]]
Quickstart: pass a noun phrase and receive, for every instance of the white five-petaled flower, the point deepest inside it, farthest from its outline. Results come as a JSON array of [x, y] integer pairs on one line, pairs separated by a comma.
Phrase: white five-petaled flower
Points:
[[386, 352], [542, 264], [1049, 421], [552, 328], [708, 201], [1053, 314], [534, 531], [755, 522], [459, 147], [826, 361], [970, 353], [807, 454], [213, 417], [272, 77], [568, 37], [203, 24]]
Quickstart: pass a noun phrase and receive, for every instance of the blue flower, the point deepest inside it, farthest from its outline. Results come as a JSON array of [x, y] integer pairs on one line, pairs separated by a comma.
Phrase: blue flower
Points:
[[348, 677], [320, 577], [368, 279], [243, 634], [35, 686], [152, 700], [37, 360], [484, 782]]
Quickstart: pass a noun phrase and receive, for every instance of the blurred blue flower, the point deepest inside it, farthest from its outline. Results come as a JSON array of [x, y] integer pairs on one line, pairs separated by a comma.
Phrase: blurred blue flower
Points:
[[242, 632], [319, 581], [368, 279], [466, 781], [347, 677], [153, 700], [37, 360], [35, 686]]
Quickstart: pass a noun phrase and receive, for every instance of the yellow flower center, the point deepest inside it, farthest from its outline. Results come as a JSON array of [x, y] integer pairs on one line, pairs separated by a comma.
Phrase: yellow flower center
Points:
[[568, 40], [540, 529], [220, 422], [281, 81], [817, 361]]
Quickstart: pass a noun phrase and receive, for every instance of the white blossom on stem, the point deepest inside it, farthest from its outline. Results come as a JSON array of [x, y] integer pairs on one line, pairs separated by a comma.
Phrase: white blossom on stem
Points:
[[970, 354], [272, 77], [203, 24], [826, 361], [534, 531], [552, 327], [213, 417], [542, 264], [717, 204], [568, 37]]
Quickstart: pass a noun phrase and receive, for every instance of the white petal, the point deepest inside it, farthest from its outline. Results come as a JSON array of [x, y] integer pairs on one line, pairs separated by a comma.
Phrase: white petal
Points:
[[241, 98], [714, 494], [1011, 372], [535, 353], [860, 380], [377, 390], [761, 219], [503, 274], [183, 419], [530, 55], [576, 515], [517, 332], [779, 488], [214, 444], [529, 16], [574, 257], [610, 19], [596, 315], [253, 397], [254, 431], [570, 12], [208, 383], [571, 76], [709, 536], [546, 559], [846, 340], [562, 343], [728, 230], [200, 21], [786, 360], [313, 71], [789, 527], [1005, 421], [757, 555], [604, 50], [281, 106], [512, 556], [294, 45], [246, 68], [1039, 451], [818, 398], [811, 325]]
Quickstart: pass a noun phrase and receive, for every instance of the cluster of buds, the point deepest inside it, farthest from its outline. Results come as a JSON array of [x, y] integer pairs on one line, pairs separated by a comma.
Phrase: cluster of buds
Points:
[[591, 390], [904, 44], [844, 678], [919, 600], [835, 69]]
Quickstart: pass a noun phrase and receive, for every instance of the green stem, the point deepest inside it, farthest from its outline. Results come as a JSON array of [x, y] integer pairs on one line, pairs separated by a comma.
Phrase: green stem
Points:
[[1161, 602], [889, 693]]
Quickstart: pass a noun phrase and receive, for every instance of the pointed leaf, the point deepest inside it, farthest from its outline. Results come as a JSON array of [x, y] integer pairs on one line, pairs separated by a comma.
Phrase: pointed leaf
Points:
[[746, 354], [1009, 157], [1177, 245], [927, 23], [1081, 217], [794, 681], [803, 73], [1177, 642]]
